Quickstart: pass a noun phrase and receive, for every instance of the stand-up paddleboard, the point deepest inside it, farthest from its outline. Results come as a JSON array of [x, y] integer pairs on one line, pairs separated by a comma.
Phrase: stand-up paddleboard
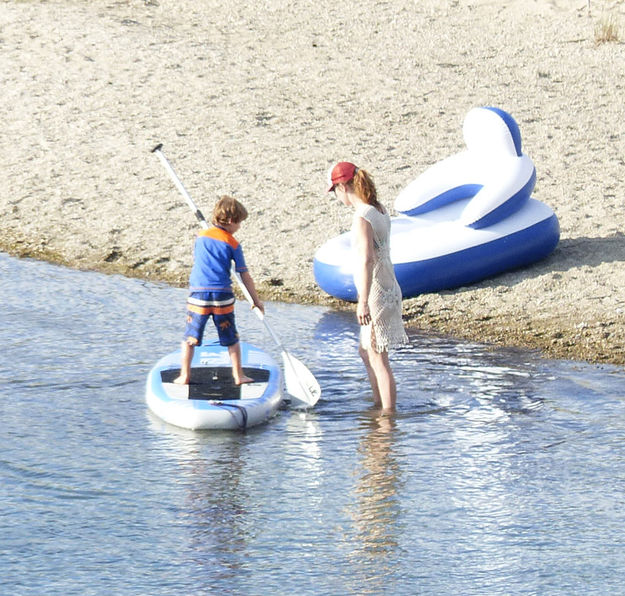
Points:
[[212, 400]]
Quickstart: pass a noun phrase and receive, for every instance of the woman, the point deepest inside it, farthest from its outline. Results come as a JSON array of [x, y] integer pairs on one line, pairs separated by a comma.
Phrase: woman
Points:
[[379, 296]]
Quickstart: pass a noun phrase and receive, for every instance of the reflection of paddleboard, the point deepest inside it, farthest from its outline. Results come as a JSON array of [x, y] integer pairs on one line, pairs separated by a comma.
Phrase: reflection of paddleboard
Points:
[[212, 400]]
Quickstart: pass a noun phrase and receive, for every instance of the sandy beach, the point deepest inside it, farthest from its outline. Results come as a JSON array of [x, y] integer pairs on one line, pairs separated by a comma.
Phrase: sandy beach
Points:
[[258, 99]]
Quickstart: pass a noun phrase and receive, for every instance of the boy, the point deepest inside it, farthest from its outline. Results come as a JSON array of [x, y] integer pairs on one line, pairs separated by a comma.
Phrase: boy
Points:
[[210, 287]]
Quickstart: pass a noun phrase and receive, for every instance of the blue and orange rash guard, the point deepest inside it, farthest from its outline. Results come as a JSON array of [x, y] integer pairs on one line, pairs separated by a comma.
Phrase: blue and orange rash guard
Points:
[[214, 250]]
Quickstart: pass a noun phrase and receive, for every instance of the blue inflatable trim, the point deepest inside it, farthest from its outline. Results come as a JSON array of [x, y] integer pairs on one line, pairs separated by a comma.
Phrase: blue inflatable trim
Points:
[[513, 127], [455, 269], [510, 206], [458, 193]]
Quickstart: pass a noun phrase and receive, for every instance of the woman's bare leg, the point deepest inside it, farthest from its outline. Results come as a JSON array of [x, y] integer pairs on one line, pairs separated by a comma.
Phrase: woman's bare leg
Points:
[[385, 379], [364, 354]]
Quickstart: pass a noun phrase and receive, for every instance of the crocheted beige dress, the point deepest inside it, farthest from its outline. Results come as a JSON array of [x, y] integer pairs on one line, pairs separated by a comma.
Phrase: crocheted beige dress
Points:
[[386, 329]]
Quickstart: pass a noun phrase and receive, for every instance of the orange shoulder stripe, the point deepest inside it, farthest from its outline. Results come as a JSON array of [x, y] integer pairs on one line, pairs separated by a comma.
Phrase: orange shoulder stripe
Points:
[[220, 234]]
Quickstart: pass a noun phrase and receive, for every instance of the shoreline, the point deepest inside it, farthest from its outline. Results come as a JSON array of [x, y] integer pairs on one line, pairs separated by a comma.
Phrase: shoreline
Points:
[[258, 101], [557, 337]]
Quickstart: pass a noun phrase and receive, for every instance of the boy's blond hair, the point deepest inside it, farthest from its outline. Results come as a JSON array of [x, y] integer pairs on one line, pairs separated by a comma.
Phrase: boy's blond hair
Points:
[[228, 210]]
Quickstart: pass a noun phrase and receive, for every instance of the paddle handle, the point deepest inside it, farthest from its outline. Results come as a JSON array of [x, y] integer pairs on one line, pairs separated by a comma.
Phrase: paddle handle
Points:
[[183, 191]]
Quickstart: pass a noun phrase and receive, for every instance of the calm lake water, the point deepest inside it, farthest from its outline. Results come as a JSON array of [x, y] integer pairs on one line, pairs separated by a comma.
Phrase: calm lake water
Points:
[[502, 473]]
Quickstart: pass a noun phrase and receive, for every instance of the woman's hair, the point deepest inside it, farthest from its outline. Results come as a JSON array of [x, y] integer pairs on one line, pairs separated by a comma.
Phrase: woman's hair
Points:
[[364, 187], [228, 210]]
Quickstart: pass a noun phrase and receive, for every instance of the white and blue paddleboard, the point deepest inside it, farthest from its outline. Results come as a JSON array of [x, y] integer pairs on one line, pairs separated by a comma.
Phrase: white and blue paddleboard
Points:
[[212, 400]]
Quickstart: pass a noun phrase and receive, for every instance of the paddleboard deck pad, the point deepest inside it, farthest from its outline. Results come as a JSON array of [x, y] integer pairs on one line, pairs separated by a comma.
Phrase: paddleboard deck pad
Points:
[[212, 400], [216, 383]]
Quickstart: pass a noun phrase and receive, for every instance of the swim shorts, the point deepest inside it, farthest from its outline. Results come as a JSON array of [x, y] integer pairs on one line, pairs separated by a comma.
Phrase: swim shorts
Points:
[[201, 306]]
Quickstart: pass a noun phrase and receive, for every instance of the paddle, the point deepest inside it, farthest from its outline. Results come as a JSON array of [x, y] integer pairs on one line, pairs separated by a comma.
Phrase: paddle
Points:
[[300, 382]]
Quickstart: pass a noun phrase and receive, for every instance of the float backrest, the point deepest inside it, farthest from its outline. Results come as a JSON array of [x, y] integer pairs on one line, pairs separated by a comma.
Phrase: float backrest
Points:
[[492, 132]]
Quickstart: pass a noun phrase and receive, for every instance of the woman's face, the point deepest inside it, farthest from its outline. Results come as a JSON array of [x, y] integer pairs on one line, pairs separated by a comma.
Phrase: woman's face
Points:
[[339, 191]]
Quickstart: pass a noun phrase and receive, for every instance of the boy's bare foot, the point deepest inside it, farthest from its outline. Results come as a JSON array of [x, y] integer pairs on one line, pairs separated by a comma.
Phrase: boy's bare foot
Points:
[[181, 380], [242, 380]]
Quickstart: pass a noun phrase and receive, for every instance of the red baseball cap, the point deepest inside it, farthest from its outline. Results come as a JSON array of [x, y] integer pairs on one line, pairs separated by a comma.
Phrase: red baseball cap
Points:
[[343, 171]]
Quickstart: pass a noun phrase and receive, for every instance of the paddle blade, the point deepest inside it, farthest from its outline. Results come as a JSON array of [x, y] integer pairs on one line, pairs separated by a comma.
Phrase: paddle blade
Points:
[[300, 382]]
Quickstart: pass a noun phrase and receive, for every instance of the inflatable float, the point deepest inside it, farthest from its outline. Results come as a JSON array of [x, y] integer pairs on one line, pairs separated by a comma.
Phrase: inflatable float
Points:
[[468, 217], [212, 400]]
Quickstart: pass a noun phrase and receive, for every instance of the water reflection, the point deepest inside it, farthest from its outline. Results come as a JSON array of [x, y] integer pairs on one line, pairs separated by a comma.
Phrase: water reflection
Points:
[[214, 510], [303, 446], [376, 511]]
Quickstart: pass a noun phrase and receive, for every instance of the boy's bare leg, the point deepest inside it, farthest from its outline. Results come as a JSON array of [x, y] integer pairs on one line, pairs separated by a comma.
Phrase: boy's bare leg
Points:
[[237, 370], [185, 364]]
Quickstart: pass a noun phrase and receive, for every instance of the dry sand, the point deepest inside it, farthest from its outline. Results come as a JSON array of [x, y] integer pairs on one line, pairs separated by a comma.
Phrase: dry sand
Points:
[[257, 99]]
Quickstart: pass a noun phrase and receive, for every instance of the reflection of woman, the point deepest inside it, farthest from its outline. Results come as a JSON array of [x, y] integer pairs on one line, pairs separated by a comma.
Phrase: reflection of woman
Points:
[[378, 508], [379, 295]]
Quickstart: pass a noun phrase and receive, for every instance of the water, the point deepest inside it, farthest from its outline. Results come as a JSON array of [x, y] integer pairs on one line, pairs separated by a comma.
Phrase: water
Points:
[[502, 473]]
